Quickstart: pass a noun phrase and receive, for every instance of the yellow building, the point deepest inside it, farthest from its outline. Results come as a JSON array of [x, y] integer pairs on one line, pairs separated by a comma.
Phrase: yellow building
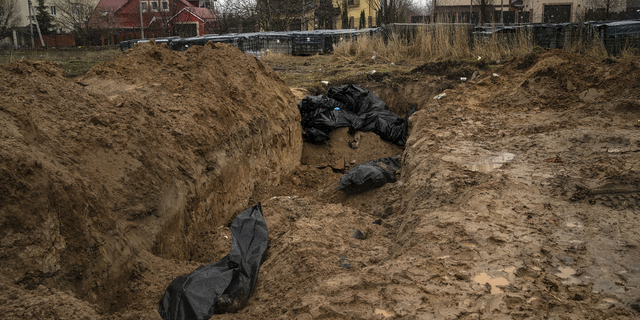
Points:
[[307, 15], [355, 7]]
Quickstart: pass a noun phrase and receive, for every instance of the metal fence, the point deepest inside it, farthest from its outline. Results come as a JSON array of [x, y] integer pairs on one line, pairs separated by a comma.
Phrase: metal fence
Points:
[[292, 42], [614, 35]]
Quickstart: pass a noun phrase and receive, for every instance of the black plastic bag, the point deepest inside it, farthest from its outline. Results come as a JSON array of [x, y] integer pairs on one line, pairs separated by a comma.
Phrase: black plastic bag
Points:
[[357, 99], [370, 175], [354, 107], [223, 286]]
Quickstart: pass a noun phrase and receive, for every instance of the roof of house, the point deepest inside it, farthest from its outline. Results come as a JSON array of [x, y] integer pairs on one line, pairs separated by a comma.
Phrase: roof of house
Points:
[[112, 5], [201, 13], [115, 5]]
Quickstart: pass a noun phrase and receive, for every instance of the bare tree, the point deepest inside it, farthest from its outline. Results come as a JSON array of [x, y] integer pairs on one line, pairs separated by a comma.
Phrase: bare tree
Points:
[[326, 14], [275, 15], [423, 9], [83, 17], [486, 8], [9, 17], [605, 9], [392, 11]]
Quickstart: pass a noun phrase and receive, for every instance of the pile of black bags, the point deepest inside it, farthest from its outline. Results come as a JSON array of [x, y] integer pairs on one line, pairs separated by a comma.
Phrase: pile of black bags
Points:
[[354, 107]]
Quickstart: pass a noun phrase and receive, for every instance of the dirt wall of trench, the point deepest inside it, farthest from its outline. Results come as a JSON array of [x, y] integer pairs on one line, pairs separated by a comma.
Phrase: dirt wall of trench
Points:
[[141, 154]]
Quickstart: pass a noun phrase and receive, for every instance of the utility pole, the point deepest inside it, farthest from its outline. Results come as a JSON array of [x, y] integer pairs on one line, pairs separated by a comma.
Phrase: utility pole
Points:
[[501, 12], [33, 45], [471, 12], [31, 12], [141, 23], [433, 11]]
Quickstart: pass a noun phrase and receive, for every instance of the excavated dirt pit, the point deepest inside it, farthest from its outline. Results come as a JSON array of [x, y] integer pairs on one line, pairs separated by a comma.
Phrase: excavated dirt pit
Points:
[[518, 197]]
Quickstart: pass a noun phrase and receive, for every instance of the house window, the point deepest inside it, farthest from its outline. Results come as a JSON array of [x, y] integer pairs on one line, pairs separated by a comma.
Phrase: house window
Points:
[[165, 5], [144, 6], [53, 10], [154, 5]]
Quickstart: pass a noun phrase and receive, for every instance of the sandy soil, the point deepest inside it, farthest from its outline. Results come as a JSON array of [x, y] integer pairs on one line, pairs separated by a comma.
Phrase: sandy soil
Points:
[[518, 196]]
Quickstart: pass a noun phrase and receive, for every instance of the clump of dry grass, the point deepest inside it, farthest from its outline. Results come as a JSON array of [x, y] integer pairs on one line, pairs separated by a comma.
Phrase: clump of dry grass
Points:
[[502, 46], [430, 43], [273, 56], [363, 47], [629, 52], [444, 41], [436, 42], [593, 48]]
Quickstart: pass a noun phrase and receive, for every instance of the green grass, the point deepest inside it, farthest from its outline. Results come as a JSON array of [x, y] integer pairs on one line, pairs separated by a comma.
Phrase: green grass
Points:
[[75, 61]]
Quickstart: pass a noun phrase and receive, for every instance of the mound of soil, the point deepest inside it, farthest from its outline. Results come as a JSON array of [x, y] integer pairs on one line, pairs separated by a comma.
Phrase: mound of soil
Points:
[[518, 196], [142, 154], [504, 210]]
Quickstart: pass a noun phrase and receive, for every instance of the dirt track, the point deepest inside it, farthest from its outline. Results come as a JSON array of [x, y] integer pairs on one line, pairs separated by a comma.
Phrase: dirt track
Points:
[[518, 197]]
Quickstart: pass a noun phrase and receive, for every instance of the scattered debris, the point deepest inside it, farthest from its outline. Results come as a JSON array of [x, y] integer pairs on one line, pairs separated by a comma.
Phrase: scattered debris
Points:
[[344, 262], [359, 235], [384, 313], [440, 96], [377, 221], [554, 160]]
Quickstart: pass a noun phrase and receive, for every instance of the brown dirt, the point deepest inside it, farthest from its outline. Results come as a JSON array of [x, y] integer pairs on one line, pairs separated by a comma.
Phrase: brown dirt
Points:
[[122, 163], [518, 197]]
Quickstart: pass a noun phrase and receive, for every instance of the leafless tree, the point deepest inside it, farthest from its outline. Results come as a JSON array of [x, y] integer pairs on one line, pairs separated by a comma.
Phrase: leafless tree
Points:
[[425, 9], [392, 11], [606, 9], [236, 16], [83, 18], [9, 17], [275, 15], [486, 9]]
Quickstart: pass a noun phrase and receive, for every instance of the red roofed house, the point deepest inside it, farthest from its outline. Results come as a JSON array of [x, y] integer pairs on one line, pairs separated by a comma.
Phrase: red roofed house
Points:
[[160, 18]]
